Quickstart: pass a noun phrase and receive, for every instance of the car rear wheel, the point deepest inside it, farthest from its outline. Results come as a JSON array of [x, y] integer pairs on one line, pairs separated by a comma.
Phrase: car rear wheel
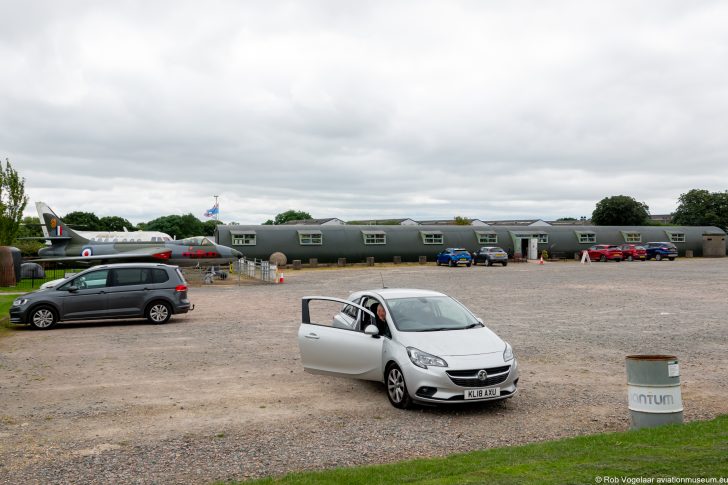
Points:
[[158, 312], [451, 263], [671, 259], [658, 257], [505, 263], [43, 318], [490, 263], [602, 258], [468, 264], [629, 258], [397, 388]]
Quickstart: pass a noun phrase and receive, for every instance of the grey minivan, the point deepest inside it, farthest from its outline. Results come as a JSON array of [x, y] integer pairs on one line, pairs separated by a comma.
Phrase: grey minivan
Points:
[[127, 290]]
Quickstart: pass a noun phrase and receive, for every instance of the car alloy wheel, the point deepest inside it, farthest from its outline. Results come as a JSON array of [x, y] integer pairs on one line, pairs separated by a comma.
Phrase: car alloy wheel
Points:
[[658, 257], [43, 318], [158, 312], [397, 388], [602, 258], [629, 258]]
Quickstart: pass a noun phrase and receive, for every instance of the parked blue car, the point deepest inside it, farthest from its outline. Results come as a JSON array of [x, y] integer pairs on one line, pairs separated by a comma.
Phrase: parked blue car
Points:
[[454, 257], [660, 251]]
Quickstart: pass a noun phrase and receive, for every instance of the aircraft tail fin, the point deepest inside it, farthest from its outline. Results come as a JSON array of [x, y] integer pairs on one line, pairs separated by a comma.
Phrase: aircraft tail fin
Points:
[[54, 229]]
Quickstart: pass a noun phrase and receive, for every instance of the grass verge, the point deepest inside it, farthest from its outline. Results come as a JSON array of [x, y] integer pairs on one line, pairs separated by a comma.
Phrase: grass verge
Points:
[[6, 301], [694, 450]]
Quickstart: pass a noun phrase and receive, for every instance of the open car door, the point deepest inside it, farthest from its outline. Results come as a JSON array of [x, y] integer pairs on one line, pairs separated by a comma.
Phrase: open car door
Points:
[[336, 350]]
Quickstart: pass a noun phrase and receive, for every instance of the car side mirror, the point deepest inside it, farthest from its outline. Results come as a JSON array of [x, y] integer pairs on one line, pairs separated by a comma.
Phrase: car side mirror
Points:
[[480, 320], [72, 289], [371, 330]]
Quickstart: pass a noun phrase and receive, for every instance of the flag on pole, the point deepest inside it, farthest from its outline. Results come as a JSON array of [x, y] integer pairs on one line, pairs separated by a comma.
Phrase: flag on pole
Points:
[[213, 211]]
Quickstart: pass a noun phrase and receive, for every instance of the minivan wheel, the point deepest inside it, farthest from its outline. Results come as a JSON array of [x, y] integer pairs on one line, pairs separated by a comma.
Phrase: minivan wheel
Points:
[[158, 312], [397, 388], [43, 318]]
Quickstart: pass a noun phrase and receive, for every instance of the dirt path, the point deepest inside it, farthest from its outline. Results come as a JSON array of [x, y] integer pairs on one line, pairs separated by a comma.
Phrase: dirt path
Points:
[[220, 393]]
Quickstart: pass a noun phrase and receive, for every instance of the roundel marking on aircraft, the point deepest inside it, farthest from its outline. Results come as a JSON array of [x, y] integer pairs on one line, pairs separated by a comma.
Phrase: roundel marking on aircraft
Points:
[[54, 223], [87, 252]]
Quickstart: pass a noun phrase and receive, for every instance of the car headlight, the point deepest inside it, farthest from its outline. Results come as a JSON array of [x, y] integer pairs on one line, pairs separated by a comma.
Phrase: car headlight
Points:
[[508, 353], [20, 301], [423, 359]]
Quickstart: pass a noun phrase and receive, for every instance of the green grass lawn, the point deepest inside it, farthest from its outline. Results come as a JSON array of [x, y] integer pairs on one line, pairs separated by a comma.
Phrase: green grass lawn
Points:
[[5, 303], [698, 449]]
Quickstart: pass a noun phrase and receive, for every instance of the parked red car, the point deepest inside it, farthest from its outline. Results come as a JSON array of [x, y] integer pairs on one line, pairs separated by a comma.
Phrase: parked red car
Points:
[[633, 251], [605, 252]]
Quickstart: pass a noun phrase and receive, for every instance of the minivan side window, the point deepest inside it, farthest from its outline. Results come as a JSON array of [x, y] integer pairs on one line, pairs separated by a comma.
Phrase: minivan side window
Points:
[[159, 276], [138, 276], [94, 279]]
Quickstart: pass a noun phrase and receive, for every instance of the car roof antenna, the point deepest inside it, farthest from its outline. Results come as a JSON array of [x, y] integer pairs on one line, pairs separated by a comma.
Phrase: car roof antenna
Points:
[[382, 276]]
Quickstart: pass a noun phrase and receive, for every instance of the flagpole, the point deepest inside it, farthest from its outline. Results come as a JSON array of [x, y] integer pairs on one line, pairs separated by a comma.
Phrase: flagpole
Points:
[[217, 213]]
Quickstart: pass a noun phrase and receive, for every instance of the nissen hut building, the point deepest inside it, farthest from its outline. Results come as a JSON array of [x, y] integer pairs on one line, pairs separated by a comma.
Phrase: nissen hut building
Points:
[[327, 243]]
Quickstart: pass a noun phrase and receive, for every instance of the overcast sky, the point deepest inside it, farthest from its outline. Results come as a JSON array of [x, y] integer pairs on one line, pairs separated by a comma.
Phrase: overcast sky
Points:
[[361, 110]]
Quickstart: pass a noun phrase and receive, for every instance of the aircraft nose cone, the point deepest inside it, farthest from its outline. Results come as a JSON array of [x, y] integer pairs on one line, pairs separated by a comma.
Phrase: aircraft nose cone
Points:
[[236, 254]]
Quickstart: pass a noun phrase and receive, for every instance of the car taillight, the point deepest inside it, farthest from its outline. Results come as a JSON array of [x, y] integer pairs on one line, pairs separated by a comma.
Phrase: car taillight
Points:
[[180, 288]]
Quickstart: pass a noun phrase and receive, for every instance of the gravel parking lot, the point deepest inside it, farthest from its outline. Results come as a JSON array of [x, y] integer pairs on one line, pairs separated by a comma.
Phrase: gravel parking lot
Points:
[[220, 394]]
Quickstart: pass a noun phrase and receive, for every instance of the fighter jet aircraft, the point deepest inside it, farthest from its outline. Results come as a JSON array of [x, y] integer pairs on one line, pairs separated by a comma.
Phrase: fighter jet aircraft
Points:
[[67, 245]]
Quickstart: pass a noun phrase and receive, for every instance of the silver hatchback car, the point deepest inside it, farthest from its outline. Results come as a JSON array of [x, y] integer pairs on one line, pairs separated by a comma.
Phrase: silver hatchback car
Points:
[[150, 290], [425, 346]]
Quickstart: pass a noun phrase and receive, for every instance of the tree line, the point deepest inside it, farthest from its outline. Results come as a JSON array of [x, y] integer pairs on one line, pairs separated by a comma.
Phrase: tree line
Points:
[[697, 207]]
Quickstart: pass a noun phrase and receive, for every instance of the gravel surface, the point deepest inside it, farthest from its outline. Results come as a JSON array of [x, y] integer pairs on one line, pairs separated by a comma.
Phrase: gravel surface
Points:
[[220, 394]]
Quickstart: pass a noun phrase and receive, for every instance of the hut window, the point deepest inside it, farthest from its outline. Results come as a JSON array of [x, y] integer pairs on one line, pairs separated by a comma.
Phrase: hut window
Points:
[[431, 237], [374, 237], [543, 238], [310, 238], [486, 237], [247, 239], [586, 237], [676, 237], [632, 237]]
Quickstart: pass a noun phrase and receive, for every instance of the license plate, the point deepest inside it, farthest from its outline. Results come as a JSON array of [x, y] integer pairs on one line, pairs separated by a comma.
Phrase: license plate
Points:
[[482, 393], [463, 261]]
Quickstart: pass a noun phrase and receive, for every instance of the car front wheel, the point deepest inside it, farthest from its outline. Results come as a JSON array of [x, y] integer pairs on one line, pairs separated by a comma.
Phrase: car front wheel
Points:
[[43, 318], [158, 312], [602, 258], [629, 258], [658, 257], [451, 263], [397, 388]]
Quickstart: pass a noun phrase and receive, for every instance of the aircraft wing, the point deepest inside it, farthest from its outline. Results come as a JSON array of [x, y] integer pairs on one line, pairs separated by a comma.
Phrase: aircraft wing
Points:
[[142, 254]]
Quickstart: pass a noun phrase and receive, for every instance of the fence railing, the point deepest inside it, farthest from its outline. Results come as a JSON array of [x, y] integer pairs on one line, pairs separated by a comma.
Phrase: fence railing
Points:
[[256, 269]]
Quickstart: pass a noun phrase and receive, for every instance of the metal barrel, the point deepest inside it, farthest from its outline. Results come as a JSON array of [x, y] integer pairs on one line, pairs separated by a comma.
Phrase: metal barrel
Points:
[[653, 388]]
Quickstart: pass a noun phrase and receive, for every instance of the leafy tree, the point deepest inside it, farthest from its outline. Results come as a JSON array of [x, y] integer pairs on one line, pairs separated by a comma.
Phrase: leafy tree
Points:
[[83, 221], [289, 215], [115, 223], [208, 227], [177, 226], [29, 228], [620, 210], [12, 202], [698, 207], [462, 221]]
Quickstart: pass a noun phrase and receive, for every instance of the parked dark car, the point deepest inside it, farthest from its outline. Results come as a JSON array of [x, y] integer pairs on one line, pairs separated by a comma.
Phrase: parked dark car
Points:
[[454, 257], [489, 255], [129, 290], [633, 251], [661, 250], [605, 252]]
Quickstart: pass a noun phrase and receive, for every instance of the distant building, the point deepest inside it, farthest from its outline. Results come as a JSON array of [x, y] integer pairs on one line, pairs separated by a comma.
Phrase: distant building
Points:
[[385, 222], [451, 222], [663, 218], [331, 221], [519, 222]]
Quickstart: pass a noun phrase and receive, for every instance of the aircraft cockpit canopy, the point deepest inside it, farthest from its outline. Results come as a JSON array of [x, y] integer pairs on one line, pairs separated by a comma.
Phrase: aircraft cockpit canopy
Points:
[[198, 241]]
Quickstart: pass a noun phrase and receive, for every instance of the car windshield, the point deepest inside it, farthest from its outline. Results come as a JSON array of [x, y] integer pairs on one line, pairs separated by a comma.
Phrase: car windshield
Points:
[[461, 251], [496, 250], [430, 314]]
